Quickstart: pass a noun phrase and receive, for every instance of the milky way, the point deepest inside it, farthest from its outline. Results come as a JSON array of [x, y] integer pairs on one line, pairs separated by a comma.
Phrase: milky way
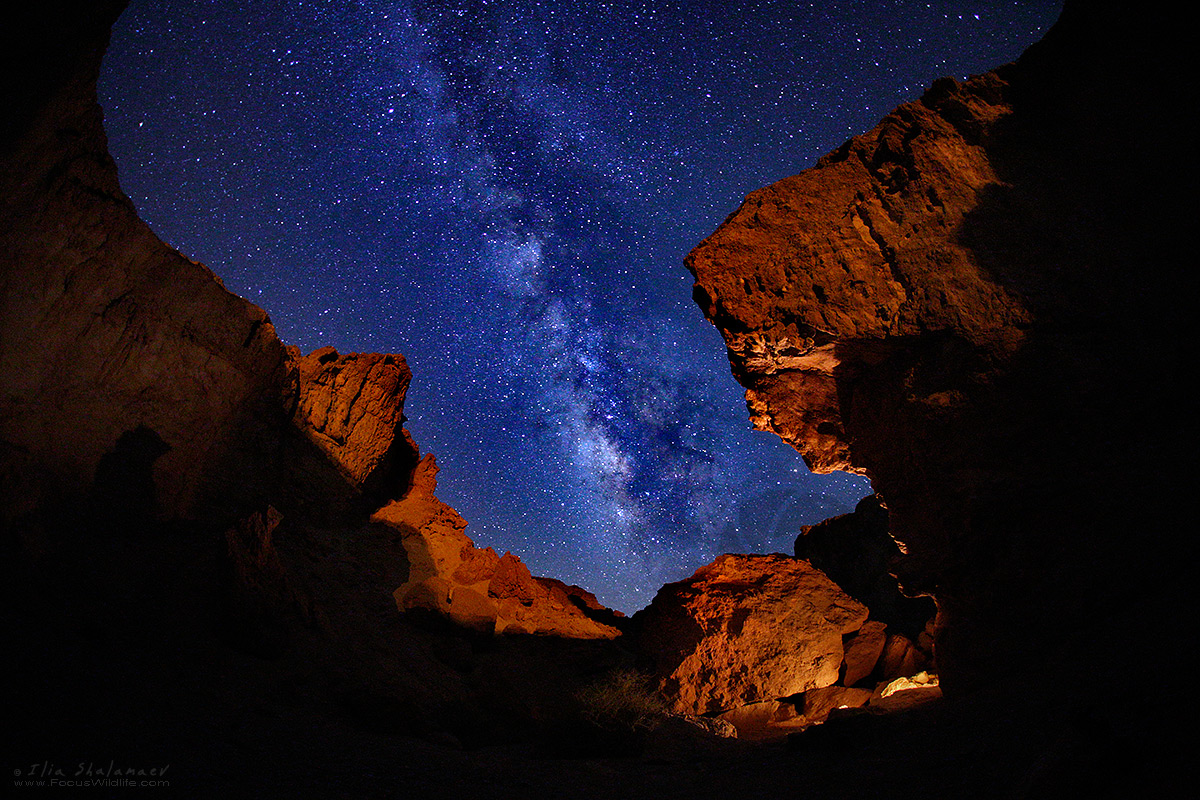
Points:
[[504, 192]]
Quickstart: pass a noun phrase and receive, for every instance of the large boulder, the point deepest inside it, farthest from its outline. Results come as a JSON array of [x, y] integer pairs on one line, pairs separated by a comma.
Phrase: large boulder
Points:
[[746, 628]]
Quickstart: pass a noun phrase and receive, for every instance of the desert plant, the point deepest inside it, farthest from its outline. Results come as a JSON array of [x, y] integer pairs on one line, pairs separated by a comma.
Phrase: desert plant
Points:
[[622, 699]]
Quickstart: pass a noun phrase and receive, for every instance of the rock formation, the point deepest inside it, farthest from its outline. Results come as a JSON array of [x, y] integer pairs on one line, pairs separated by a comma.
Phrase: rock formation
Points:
[[978, 304], [745, 629], [857, 554], [164, 455], [106, 330], [770, 645], [476, 588], [349, 410], [982, 304]]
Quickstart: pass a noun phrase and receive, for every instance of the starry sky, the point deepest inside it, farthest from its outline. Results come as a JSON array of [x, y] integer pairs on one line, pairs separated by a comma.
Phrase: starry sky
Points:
[[504, 193]]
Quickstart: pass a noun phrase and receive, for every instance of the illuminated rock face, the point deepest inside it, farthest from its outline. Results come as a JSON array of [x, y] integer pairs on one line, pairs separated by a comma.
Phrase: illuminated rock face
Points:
[[977, 304], [346, 449], [476, 588], [134, 386], [744, 629]]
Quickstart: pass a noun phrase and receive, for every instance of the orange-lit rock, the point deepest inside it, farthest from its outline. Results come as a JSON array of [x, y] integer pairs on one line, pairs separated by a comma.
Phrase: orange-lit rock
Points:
[[983, 304], [746, 628], [471, 587], [863, 651], [350, 409]]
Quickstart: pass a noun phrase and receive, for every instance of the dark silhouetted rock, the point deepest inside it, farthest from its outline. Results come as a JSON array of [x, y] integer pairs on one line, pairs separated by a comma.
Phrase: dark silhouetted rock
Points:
[[857, 553], [820, 703], [863, 650], [151, 424]]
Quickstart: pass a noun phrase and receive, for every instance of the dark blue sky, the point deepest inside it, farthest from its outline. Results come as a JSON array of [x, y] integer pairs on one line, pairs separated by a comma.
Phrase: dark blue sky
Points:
[[504, 193]]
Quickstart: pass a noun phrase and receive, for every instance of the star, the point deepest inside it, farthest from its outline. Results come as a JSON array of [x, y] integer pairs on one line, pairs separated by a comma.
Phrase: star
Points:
[[504, 193]]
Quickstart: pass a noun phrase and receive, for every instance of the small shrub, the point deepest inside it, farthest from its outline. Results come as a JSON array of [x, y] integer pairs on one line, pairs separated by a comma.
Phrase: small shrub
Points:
[[623, 700]]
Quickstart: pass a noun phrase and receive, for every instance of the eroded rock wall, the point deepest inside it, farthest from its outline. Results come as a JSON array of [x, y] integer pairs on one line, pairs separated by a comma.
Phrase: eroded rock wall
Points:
[[186, 503], [106, 330], [978, 304]]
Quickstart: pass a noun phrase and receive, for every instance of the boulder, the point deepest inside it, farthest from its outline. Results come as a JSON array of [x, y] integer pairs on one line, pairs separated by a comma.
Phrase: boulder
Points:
[[820, 703], [863, 650], [746, 628], [901, 657], [856, 551], [902, 694]]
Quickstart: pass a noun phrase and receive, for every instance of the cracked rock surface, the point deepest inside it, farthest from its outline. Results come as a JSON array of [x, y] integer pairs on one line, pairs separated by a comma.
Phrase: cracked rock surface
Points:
[[977, 304]]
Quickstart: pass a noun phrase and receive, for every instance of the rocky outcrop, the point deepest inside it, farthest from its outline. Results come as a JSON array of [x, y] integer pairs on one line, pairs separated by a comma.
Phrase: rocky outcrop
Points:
[[771, 645], [186, 504], [857, 553], [348, 446], [978, 305], [106, 330], [744, 629], [476, 588]]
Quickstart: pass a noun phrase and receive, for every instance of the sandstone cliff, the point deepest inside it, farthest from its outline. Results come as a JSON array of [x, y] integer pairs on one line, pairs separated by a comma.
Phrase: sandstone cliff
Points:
[[979, 304], [167, 464], [105, 329]]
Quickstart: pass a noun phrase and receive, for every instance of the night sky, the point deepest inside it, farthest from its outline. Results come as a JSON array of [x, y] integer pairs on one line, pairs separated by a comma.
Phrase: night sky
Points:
[[504, 193]]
